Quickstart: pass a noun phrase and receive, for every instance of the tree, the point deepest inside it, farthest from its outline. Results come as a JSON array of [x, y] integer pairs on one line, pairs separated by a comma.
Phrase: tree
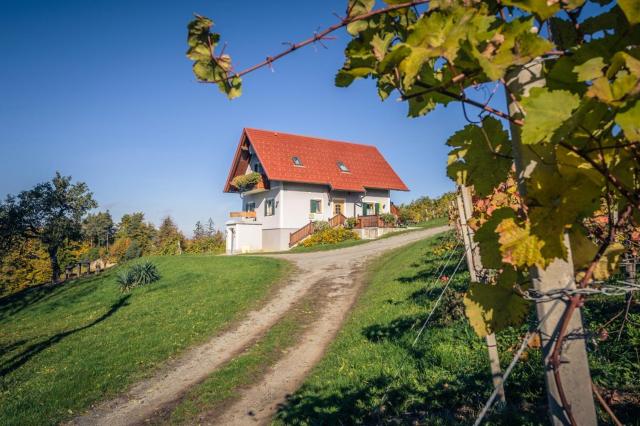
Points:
[[133, 227], [50, 212], [206, 239], [169, 239], [98, 228], [572, 83]]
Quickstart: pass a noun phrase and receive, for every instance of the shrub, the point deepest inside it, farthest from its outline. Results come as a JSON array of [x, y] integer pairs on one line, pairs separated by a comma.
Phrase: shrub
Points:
[[119, 248], [137, 275], [94, 254], [320, 226], [350, 223], [133, 251], [246, 182], [330, 236], [388, 218], [208, 244]]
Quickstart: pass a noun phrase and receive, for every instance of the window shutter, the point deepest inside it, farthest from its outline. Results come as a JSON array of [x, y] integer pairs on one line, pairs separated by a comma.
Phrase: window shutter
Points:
[[377, 208]]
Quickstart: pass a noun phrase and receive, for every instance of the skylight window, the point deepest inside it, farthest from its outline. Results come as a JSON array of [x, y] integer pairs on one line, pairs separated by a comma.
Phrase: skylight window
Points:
[[296, 161], [342, 167]]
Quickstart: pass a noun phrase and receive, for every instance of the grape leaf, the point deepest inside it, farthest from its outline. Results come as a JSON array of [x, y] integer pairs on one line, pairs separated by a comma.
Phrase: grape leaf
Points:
[[487, 238], [583, 252], [518, 246], [511, 44], [590, 69], [629, 122], [481, 156], [207, 67], [631, 9], [546, 111], [542, 8], [493, 307]]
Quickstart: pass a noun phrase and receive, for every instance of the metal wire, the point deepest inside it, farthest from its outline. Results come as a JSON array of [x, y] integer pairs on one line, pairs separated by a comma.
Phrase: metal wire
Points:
[[464, 253], [626, 287]]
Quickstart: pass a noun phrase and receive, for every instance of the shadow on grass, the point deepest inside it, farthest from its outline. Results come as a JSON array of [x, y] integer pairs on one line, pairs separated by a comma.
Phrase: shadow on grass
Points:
[[387, 400], [15, 303], [18, 360]]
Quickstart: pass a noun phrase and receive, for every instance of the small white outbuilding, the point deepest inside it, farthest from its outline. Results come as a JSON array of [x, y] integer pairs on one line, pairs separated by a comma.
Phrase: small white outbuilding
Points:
[[243, 236]]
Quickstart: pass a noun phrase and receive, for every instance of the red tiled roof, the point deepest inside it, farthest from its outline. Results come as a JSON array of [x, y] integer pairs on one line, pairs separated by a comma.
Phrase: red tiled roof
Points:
[[367, 167]]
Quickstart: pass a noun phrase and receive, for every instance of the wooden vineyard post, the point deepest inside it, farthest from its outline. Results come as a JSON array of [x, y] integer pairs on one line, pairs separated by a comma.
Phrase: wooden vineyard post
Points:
[[574, 369], [474, 263]]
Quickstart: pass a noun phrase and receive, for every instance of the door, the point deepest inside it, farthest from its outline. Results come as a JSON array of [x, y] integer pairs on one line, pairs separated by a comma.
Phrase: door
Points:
[[338, 207]]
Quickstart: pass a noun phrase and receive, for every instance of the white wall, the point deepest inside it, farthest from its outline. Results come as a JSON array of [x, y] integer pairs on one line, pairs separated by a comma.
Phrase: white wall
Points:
[[268, 222], [243, 237], [293, 201], [297, 201]]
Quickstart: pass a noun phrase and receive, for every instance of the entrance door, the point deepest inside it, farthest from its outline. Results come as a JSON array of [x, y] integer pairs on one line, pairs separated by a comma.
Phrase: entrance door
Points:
[[338, 206]]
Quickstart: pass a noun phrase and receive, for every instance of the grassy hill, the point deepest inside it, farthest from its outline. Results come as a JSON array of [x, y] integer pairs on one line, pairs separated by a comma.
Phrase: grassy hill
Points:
[[65, 347]]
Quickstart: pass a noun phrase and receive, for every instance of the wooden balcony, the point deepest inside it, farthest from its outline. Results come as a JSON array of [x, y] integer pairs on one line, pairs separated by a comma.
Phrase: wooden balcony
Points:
[[247, 215], [372, 221]]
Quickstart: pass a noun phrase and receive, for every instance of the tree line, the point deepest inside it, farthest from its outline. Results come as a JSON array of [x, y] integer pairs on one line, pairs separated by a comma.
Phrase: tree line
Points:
[[52, 226]]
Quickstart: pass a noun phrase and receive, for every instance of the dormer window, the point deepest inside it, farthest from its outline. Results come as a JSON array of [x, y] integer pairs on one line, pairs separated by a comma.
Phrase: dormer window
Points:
[[296, 161], [342, 167]]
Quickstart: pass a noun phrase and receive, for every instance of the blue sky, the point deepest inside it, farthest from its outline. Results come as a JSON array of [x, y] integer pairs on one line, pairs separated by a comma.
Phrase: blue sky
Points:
[[102, 91]]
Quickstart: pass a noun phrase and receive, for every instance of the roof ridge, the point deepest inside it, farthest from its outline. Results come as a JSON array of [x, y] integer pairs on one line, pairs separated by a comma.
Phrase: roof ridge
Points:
[[310, 137]]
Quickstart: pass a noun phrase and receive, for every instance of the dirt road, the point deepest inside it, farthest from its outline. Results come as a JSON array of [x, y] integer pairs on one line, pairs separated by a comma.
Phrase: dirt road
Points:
[[338, 273]]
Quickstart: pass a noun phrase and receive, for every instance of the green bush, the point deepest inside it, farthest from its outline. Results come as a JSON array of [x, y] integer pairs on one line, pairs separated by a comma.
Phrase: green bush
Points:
[[94, 254], [330, 236], [320, 226], [137, 275], [134, 251], [213, 244], [388, 218], [246, 182], [350, 223]]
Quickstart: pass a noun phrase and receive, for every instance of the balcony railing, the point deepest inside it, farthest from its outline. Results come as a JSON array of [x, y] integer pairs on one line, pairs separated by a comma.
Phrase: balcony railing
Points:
[[373, 221], [248, 215]]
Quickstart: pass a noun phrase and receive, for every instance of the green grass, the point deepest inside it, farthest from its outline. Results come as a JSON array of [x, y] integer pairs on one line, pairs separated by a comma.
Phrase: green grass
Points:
[[66, 347], [226, 383], [439, 221], [373, 374]]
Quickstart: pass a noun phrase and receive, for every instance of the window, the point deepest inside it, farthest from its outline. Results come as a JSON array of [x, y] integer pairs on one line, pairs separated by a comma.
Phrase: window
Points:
[[250, 207], [366, 209], [269, 207], [342, 167], [316, 206], [296, 161], [257, 168]]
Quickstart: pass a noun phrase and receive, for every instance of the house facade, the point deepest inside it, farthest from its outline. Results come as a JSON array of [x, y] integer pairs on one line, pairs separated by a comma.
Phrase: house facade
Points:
[[301, 180]]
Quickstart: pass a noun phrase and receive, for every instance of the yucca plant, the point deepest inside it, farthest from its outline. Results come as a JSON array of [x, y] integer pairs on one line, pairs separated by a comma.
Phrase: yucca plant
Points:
[[137, 275]]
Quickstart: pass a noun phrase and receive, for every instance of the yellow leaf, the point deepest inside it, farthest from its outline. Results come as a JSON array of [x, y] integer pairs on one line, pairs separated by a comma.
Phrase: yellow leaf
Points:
[[517, 246]]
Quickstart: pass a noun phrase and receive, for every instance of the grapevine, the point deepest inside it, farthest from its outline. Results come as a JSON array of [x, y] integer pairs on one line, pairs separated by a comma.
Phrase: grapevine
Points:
[[562, 183]]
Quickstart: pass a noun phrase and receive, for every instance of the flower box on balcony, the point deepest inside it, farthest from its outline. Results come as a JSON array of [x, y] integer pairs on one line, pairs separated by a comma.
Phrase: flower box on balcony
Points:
[[250, 183]]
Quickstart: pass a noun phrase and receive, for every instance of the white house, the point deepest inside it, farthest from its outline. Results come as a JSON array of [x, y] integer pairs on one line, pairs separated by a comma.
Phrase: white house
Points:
[[303, 179]]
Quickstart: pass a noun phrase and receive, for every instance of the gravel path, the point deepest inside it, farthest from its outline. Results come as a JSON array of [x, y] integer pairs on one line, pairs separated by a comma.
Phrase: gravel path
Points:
[[338, 275]]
